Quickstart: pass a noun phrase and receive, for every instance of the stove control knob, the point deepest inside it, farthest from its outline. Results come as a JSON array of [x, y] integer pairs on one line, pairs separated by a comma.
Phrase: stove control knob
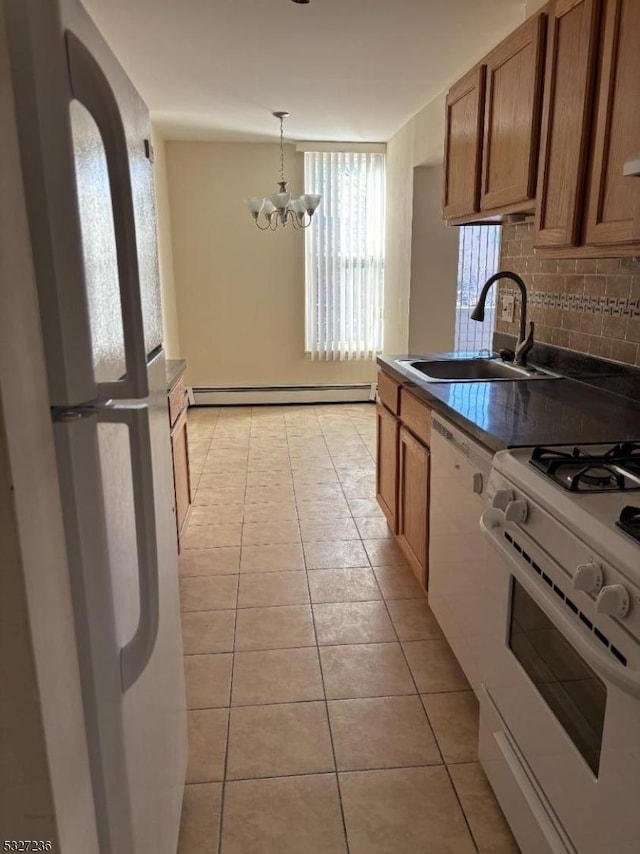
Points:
[[517, 511], [588, 578], [613, 600], [502, 498]]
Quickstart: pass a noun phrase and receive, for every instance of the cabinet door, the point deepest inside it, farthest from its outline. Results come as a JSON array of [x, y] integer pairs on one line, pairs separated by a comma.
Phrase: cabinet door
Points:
[[181, 480], [413, 504], [463, 145], [387, 465], [613, 212], [512, 118], [572, 44]]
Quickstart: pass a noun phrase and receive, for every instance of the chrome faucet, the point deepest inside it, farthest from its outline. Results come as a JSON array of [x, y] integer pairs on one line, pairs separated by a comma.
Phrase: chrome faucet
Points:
[[525, 339]]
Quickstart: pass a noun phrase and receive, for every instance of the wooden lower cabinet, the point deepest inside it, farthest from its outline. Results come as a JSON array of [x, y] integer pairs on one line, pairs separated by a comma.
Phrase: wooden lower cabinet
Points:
[[181, 480], [413, 504], [387, 465]]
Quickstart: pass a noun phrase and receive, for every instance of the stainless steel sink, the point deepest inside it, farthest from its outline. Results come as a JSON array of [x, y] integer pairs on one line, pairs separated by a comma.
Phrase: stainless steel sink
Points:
[[473, 371]]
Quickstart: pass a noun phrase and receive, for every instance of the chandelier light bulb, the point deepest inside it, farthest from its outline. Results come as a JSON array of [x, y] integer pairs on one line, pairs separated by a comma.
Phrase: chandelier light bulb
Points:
[[254, 204], [310, 202], [279, 208], [280, 200]]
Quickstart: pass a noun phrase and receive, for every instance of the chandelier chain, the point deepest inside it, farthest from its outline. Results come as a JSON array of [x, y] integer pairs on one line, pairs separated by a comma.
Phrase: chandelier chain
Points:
[[282, 148]]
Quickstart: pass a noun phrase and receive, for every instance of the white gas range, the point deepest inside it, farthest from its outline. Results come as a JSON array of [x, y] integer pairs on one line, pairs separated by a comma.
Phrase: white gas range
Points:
[[559, 648]]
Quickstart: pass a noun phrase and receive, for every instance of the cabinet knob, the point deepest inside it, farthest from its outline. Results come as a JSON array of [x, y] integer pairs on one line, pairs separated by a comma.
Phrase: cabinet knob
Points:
[[478, 483]]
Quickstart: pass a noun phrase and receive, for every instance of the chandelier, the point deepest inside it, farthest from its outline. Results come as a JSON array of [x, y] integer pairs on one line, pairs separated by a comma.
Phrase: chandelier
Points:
[[280, 208]]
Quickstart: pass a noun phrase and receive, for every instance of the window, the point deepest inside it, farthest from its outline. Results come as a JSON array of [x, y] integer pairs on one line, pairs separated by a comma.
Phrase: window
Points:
[[478, 258], [344, 261]]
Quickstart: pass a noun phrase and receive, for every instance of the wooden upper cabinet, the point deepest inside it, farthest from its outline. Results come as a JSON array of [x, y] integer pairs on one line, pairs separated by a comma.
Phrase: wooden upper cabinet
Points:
[[613, 210], [512, 118], [463, 145], [572, 43]]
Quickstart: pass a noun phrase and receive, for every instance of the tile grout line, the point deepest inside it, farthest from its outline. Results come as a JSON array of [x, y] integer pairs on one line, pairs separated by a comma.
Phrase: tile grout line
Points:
[[318, 646], [444, 764], [324, 693], [332, 773], [418, 694], [233, 664], [433, 732], [320, 660], [460, 804]]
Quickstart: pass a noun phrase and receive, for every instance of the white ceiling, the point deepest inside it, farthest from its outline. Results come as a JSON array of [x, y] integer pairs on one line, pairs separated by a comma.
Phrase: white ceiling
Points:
[[347, 70]]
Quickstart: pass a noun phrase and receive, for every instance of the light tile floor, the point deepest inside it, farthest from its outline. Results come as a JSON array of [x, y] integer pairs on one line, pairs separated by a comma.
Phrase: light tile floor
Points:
[[326, 710]]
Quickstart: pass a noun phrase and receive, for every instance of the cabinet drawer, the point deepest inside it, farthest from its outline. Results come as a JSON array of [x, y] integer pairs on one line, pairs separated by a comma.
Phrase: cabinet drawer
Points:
[[416, 416], [388, 392], [177, 400]]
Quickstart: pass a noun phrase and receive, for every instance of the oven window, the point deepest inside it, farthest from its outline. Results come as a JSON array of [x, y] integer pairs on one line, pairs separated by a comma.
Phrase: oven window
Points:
[[571, 689]]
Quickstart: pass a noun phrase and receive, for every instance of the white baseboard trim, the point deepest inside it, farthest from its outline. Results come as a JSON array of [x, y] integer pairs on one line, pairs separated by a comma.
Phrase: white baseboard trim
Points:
[[358, 393]]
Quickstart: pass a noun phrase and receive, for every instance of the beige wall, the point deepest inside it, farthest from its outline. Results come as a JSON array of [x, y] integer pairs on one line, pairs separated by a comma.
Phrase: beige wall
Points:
[[532, 6], [398, 241], [239, 291], [434, 267], [165, 250], [419, 142]]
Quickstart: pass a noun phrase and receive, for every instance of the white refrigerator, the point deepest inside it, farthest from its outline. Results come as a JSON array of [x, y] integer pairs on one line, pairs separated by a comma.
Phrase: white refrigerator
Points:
[[87, 163]]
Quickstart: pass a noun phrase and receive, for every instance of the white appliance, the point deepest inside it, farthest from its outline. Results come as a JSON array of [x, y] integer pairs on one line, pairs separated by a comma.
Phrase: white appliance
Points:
[[560, 695], [86, 159], [459, 557]]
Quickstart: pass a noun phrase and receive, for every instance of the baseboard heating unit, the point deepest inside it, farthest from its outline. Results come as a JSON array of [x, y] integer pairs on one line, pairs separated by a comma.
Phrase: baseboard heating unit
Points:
[[256, 395]]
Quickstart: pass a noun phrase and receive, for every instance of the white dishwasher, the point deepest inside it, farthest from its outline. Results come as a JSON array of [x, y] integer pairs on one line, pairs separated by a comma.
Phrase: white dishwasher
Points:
[[459, 556]]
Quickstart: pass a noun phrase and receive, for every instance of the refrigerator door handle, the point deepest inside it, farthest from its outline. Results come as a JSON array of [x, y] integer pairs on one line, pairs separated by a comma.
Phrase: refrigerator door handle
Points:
[[91, 88], [137, 652]]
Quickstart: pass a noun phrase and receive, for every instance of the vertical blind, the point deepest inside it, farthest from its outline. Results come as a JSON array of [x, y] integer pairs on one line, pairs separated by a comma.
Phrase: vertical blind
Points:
[[344, 263], [478, 258]]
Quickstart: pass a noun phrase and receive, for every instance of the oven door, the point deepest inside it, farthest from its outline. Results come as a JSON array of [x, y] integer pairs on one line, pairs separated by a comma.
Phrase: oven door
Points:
[[562, 704]]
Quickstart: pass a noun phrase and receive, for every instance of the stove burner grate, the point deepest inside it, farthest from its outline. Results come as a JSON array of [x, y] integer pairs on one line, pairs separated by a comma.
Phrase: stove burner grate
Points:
[[596, 476], [614, 470]]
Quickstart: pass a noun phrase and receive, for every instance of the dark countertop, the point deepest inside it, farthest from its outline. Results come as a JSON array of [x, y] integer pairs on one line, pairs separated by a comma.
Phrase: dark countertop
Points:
[[520, 414], [175, 369]]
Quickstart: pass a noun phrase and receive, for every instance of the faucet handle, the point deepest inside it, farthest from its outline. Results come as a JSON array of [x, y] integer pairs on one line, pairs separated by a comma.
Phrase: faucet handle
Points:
[[524, 346]]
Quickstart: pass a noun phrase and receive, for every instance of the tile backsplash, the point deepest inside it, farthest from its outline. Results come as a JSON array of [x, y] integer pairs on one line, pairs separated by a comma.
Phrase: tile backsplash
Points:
[[588, 305]]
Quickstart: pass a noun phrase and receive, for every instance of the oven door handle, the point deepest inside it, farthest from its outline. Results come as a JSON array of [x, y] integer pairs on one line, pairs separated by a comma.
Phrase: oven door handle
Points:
[[492, 526]]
